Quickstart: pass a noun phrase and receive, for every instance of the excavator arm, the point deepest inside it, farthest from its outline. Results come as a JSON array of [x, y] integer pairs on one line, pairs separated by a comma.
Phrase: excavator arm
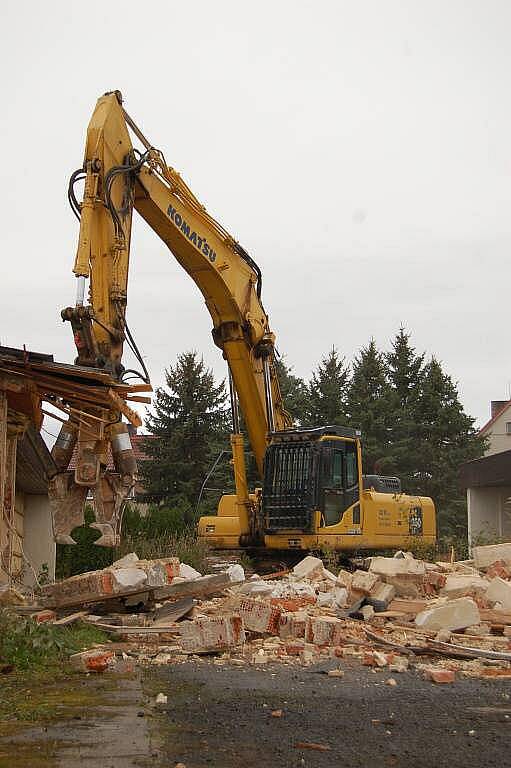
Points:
[[119, 178]]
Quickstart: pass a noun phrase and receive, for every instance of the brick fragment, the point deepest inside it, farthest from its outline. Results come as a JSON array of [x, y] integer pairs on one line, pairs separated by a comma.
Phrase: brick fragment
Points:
[[439, 675], [258, 615], [324, 630], [212, 633], [92, 661]]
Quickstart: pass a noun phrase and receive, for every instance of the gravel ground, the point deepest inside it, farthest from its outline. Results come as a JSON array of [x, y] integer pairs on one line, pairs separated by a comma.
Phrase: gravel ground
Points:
[[221, 716]]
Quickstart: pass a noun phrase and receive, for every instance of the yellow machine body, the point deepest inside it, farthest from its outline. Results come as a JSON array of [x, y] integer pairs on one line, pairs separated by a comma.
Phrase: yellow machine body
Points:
[[313, 492]]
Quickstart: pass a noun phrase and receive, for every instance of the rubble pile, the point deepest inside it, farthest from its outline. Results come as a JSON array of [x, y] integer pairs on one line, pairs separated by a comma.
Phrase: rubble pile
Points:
[[389, 613]]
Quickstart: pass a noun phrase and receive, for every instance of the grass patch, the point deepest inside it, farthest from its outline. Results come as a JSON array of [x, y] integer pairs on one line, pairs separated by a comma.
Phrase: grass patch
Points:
[[27, 645]]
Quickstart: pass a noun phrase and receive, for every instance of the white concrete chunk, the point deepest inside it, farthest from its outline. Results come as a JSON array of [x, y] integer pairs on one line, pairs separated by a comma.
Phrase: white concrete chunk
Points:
[[499, 591], [126, 561], [454, 614], [397, 566], [124, 579], [458, 586], [187, 572], [309, 568], [487, 555]]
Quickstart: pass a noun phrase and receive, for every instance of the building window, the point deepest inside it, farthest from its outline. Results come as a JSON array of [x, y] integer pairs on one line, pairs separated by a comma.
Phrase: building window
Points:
[[508, 427]]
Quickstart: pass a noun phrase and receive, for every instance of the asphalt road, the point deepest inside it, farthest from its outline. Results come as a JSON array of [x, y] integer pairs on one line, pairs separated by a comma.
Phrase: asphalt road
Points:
[[221, 716]]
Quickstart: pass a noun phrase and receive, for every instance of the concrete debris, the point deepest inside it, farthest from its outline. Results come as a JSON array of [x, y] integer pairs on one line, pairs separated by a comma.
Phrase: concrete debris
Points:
[[461, 586], [213, 633], [499, 592], [455, 614], [189, 573], [490, 554], [308, 568]]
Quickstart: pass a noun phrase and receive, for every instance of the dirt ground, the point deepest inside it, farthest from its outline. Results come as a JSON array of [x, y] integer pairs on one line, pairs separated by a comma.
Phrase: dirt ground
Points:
[[222, 716]]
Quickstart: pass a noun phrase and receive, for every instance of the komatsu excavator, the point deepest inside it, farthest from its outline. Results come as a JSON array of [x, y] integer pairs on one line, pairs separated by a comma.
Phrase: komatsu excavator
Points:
[[313, 492]]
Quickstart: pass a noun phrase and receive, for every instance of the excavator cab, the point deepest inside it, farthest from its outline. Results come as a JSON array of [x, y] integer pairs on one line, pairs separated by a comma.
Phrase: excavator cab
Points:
[[310, 474]]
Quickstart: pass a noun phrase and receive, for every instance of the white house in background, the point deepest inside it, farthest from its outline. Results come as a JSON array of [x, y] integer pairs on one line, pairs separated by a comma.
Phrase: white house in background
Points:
[[488, 480]]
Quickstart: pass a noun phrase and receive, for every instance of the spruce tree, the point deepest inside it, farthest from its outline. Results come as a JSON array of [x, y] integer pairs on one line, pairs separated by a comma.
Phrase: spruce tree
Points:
[[191, 423], [294, 391], [326, 402], [445, 438], [370, 407], [405, 374]]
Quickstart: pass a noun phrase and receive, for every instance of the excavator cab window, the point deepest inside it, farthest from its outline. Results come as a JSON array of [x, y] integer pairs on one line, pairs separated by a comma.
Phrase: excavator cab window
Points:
[[339, 479]]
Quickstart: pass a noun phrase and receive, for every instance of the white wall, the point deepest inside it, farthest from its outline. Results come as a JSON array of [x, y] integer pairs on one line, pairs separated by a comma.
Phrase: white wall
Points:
[[489, 512], [38, 543]]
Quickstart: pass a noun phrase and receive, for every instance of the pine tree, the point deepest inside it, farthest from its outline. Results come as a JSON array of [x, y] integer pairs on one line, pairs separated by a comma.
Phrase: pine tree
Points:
[[370, 406], [294, 391], [191, 423], [326, 401], [446, 438]]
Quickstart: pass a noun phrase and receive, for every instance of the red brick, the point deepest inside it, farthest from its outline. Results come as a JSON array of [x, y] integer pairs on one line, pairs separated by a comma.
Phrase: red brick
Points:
[[44, 616], [439, 675]]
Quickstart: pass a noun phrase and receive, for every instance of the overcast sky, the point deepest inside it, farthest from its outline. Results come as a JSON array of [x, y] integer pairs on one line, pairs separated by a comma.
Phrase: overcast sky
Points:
[[360, 151]]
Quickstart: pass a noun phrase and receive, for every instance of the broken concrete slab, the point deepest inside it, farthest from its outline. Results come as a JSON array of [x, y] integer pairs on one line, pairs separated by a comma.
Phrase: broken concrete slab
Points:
[[128, 579], [364, 582], [309, 568], [381, 596], [214, 633], [499, 591], [187, 572], [460, 586], [125, 562], [402, 567], [454, 614], [485, 556], [96, 586]]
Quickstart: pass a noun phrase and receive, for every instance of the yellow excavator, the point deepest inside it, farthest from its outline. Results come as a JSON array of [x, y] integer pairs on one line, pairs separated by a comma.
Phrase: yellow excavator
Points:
[[313, 492]]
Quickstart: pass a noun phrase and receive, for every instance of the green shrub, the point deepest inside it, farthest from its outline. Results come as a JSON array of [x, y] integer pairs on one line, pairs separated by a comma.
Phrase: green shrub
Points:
[[84, 555], [26, 644]]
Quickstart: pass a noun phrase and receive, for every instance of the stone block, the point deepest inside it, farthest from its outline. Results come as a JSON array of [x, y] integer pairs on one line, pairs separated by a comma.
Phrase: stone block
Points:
[[309, 568], [258, 615], [455, 614], [487, 555], [499, 591], [212, 633]]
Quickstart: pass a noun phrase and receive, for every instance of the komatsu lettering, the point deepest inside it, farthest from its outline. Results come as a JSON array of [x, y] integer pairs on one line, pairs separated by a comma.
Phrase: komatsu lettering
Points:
[[200, 243]]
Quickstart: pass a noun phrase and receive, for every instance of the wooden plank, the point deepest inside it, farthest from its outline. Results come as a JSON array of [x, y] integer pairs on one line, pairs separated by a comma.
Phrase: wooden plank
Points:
[[65, 620]]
